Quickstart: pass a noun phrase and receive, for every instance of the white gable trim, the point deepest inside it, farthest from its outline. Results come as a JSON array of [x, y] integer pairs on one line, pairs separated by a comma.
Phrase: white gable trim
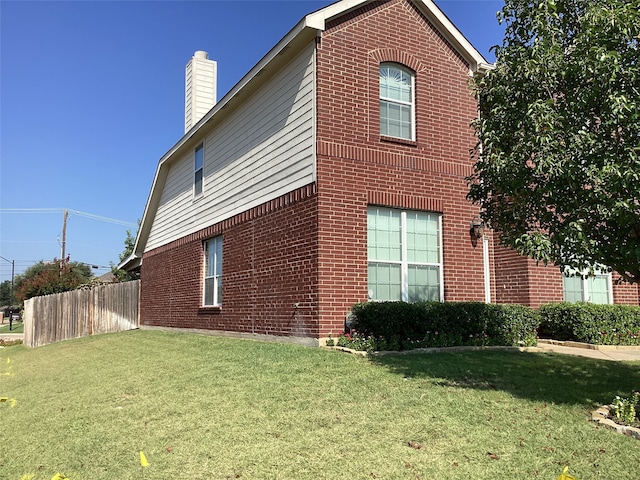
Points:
[[319, 19], [309, 26]]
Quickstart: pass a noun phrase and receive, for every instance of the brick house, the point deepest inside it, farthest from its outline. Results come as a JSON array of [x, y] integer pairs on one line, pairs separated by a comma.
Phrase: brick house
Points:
[[332, 173]]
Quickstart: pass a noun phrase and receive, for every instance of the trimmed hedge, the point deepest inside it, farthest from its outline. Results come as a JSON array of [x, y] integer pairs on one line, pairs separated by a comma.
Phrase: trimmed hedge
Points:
[[402, 326], [590, 323]]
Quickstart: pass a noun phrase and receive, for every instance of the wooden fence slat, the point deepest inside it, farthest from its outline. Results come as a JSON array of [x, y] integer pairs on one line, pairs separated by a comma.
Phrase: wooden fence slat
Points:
[[63, 316]]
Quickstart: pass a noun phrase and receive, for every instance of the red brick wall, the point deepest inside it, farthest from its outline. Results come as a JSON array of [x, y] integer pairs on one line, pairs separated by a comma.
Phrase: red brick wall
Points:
[[357, 167], [519, 280], [624, 292], [310, 247], [269, 264], [545, 283]]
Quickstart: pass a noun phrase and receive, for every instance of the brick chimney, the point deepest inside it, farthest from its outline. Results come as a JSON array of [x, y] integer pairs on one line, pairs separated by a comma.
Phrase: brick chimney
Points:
[[200, 88]]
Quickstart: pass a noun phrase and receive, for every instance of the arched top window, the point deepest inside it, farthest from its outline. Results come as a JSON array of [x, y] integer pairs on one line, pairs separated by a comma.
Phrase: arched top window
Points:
[[397, 101]]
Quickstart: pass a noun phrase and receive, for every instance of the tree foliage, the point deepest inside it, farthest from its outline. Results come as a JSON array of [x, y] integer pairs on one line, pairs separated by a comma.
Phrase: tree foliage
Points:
[[45, 278], [129, 245], [5, 293], [557, 170]]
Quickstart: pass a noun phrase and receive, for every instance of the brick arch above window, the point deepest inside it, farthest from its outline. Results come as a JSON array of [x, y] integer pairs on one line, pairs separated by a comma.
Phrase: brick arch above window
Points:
[[391, 55]]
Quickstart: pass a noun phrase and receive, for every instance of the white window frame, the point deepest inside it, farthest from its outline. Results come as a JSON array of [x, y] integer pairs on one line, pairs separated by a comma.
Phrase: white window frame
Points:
[[404, 262], [411, 103], [584, 277], [198, 171], [212, 249]]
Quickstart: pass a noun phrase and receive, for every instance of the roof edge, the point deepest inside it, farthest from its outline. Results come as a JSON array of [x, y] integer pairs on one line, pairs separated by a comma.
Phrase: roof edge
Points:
[[131, 262], [453, 35], [160, 175], [313, 23], [319, 19]]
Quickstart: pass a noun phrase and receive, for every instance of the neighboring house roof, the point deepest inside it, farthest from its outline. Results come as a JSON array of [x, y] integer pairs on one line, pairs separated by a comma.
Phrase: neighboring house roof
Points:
[[309, 27], [107, 277]]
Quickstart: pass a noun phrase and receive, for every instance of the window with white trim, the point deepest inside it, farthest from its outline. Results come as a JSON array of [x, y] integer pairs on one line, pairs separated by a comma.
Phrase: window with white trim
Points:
[[404, 255], [582, 287], [213, 272], [397, 95], [198, 170]]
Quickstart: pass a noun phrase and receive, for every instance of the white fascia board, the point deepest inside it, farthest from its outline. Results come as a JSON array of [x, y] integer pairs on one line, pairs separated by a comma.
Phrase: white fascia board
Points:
[[153, 200], [477, 62], [131, 262], [314, 22], [318, 19], [163, 164], [485, 67], [451, 33]]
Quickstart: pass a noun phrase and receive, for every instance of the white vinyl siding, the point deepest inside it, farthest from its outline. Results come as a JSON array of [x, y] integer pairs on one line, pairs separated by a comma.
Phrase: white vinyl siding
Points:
[[259, 151], [213, 272], [404, 255]]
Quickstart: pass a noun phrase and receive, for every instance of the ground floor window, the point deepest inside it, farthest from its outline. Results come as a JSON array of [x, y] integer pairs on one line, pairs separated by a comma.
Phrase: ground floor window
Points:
[[404, 254], [213, 272], [582, 287]]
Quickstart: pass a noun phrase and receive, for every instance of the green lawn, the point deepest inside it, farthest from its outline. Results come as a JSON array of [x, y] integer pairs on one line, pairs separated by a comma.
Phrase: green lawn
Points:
[[18, 327], [216, 408]]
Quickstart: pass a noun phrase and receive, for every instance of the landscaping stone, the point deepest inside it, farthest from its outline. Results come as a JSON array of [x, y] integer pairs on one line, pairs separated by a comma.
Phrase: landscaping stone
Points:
[[602, 417]]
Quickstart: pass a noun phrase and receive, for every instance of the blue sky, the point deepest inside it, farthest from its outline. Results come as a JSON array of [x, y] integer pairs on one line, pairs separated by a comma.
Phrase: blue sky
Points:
[[92, 95]]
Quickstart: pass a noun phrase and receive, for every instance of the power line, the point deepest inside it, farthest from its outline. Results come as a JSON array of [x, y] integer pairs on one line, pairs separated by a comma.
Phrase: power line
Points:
[[73, 212]]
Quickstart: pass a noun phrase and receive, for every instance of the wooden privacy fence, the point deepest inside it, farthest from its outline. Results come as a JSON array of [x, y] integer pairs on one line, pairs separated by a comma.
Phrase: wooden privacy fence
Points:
[[79, 313]]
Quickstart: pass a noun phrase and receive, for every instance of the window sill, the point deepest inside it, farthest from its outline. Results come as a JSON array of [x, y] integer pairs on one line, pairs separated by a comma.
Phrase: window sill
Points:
[[402, 141], [210, 309]]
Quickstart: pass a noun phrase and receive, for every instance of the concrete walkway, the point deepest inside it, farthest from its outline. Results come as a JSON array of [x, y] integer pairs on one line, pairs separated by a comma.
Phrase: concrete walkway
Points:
[[9, 337], [599, 352]]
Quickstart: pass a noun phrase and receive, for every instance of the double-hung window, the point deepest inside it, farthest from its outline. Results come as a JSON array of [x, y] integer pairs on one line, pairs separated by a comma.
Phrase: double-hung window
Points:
[[404, 255], [213, 272], [397, 101], [582, 287], [198, 170]]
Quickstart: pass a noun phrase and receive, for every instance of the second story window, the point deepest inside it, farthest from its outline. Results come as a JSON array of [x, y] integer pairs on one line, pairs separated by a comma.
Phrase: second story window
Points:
[[397, 96], [198, 170]]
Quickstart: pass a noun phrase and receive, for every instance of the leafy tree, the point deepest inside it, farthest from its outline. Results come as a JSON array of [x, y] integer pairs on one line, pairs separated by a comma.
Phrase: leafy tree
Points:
[[45, 278], [129, 244], [5, 293], [557, 170]]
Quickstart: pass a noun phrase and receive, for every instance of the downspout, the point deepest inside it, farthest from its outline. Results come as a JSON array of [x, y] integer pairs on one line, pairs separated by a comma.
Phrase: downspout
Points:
[[482, 68], [487, 270]]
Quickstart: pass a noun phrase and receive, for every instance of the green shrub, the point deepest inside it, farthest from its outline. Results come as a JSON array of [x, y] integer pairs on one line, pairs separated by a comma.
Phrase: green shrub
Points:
[[391, 320], [403, 326], [590, 323], [625, 411], [512, 324]]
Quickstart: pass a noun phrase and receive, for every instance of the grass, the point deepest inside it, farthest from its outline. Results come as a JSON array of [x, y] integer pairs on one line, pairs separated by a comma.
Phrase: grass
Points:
[[18, 327], [216, 408]]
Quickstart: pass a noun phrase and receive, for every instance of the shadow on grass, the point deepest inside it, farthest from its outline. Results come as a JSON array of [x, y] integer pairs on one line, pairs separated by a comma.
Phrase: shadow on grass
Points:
[[543, 377]]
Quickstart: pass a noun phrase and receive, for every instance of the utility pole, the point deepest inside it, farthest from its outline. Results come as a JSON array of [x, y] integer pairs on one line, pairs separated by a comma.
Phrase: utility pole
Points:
[[64, 239]]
